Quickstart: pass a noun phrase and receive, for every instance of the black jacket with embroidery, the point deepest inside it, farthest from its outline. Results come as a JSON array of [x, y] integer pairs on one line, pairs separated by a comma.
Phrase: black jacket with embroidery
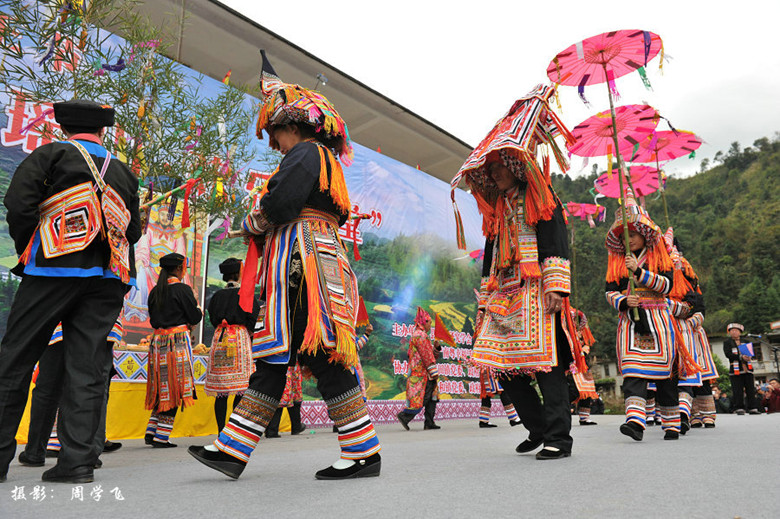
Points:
[[47, 171]]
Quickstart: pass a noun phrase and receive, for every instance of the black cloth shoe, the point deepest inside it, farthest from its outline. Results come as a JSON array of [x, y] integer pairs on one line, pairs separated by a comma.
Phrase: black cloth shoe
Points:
[[29, 462], [431, 427], [365, 468], [272, 434], [299, 430], [696, 425], [335, 429], [740, 412], [754, 411], [672, 435], [98, 463], [650, 422], [515, 422], [632, 430], [587, 422], [77, 475], [148, 439], [225, 463], [110, 446], [402, 417], [709, 425], [486, 425], [51, 453], [3, 477], [528, 445], [548, 454], [163, 445]]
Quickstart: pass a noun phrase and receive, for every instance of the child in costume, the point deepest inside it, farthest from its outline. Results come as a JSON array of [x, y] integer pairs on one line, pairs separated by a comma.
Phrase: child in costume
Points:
[[422, 372], [230, 356], [645, 334], [582, 385], [170, 382]]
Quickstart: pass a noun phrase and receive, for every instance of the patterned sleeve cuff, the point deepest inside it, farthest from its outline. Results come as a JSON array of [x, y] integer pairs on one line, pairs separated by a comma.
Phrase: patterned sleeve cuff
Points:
[[433, 371], [556, 275], [256, 223], [678, 309]]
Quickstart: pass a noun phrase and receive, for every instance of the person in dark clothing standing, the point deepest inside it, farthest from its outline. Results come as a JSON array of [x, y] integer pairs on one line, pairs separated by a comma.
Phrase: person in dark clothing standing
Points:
[[740, 371], [230, 356], [73, 215], [170, 383]]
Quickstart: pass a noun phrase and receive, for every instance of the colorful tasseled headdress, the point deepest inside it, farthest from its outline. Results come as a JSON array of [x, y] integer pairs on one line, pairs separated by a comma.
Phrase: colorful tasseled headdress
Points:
[[514, 140], [285, 103], [638, 220], [422, 317]]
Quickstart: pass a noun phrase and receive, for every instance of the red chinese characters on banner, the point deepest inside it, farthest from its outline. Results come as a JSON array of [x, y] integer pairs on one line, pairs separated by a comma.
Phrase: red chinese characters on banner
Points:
[[66, 55], [20, 114], [350, 232], [256, 178]]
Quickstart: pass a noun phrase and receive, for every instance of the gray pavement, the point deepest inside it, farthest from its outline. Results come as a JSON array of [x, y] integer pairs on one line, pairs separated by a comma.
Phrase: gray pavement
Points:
[[458, 471]]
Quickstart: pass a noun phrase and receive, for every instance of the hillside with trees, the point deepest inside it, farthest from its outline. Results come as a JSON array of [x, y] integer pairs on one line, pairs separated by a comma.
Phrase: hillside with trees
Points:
[[727, 219]]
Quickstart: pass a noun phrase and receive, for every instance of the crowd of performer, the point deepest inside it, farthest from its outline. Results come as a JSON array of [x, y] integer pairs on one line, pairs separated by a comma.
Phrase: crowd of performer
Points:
[[73, 212]]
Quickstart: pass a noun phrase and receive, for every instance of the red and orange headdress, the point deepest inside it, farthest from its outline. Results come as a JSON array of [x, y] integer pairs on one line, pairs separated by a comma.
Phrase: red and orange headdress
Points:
[[285, 103], [638, 220], [422, 317]]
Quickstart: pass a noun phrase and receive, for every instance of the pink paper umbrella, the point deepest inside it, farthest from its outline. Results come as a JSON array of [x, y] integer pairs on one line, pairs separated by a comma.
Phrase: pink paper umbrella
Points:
[[594, 136], [663, 146], [587, 212], [643, 178], [603, 58]]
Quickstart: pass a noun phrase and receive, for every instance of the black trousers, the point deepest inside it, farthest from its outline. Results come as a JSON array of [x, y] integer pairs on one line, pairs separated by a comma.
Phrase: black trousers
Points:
[[743, 383], [220, 408], [666, 392], [429, 404], [87, 308], [705, 389], [550, 422]]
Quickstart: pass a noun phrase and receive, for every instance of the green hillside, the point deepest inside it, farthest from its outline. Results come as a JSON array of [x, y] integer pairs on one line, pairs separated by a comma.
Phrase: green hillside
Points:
[[727, 221]]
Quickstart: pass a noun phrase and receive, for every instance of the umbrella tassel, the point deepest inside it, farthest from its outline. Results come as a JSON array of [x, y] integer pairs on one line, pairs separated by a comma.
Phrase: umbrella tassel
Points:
[[645, 79]]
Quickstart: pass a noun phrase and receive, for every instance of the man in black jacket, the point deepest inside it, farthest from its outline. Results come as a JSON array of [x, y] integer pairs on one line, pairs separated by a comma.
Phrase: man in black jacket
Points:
[[73, 215], [740, 371]]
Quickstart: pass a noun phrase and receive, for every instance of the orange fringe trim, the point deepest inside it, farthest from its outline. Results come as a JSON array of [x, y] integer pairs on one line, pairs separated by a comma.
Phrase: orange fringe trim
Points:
[[313, 339], [681, 286], [656, 260], [338, 186], [689, 365], [568, 323], [174, 388], [588, 337]]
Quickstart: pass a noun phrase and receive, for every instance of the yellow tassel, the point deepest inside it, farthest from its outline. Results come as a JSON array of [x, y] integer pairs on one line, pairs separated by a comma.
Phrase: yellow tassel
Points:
[[661, 61]]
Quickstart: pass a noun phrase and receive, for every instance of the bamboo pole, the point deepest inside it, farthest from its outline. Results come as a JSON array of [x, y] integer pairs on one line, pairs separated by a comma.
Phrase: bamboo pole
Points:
[[661, 188], [622, 199]]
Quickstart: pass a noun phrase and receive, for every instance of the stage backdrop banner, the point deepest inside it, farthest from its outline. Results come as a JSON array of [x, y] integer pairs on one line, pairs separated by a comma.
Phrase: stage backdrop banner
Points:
[[408, 251]]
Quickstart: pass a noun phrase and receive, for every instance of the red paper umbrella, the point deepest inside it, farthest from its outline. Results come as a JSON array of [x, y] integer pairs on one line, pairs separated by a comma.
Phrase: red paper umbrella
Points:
[[603, 58], [663, 146], [594, 136], [643, 178]]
